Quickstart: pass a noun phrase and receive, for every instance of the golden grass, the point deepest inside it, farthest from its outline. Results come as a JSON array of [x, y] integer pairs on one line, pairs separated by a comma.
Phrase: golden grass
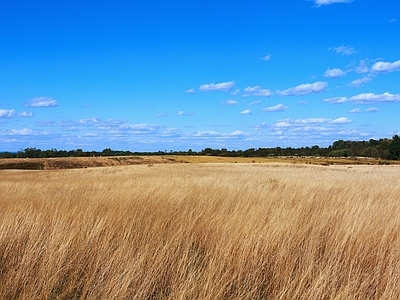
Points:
[[90, 162], [201, 231]]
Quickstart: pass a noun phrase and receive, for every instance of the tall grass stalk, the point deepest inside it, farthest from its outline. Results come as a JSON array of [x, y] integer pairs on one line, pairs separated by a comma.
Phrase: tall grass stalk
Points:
[[201, 231]]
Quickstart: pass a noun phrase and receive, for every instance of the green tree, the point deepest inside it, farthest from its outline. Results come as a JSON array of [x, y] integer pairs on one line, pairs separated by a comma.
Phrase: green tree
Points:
[[394, 148]]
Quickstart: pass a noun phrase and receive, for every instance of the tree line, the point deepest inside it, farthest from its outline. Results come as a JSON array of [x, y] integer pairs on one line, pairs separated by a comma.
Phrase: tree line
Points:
[[382, 148]]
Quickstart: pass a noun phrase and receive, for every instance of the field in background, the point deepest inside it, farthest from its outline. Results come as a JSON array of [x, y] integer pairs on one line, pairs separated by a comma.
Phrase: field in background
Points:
[[90, 162], [201, 231]]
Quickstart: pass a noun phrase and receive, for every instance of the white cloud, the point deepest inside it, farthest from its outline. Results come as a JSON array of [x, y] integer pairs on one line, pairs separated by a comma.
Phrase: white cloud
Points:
[[365, 98], [372, 109], [318, 3], [238, 133], [266, 57], [341, 120], [311, 121], [41, 102], [24, 131], [305, 89], [257, 91], [375, 98], [246, 112], [235, 92], [7, 113], [182, 113], [190, 91], [312, 128], [355, 110], [164, 114], [362, 67], [278, 107], [260, 126], [223, 86], [11, 113], [138, 127], [381, 66], [216, 134], [361, 81], [334, 73], [344, 50], [230, 102], [335, 100], [25, 114], [255, 102]]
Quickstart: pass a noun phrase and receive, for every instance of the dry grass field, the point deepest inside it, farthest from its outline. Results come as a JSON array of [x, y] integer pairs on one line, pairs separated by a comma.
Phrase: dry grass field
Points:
[[91, 162], [201, 231]]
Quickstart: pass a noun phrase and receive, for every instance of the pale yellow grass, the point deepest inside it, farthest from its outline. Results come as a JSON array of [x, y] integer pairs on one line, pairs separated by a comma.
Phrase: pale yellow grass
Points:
[[201, 231]]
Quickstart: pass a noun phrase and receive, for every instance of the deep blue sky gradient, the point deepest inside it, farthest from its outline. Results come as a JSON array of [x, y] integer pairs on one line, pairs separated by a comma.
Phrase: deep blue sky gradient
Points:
[[174, 75]]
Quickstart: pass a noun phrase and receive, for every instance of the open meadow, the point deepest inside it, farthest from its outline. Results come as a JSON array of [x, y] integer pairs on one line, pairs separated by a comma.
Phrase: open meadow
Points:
[[201, 231]]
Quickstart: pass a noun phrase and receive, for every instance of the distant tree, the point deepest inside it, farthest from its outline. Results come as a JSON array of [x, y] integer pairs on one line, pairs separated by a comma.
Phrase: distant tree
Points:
[[107, 152], [32, 152], [383, 148], [6, 154], [340, 153], [394, 148], [370, 152]]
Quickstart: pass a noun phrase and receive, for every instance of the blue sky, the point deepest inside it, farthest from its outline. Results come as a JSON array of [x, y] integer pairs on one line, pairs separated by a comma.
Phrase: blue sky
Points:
[[173, 75]]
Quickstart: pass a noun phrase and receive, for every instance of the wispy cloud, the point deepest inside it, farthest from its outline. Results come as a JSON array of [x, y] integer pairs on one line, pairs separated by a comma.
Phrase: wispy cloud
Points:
[[235, 92], [334, 73], [261, 126], [361, 81], [313, 128], [278, 107], [305, 89], [382, 67], [229, 102], [355, 110], [223, 86], [341, 120], [110, 126], [335, 100], [190, 91], [246, 112], [25, 114], [297, 122], [365, 98], [182, 113], [319, 3], [344, 50], [266, 57], [393, 20], [7, 113], [22, 132], [41, 102], [163, 114], [11, 113], [362, 67], [255, 102], [256, 91], [372, 109], [216, 134]]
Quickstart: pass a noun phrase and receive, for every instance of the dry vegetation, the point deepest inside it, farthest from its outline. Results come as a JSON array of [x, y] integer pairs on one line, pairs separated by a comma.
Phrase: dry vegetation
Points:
[[79, 162], [201, 231], [90, 162]]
